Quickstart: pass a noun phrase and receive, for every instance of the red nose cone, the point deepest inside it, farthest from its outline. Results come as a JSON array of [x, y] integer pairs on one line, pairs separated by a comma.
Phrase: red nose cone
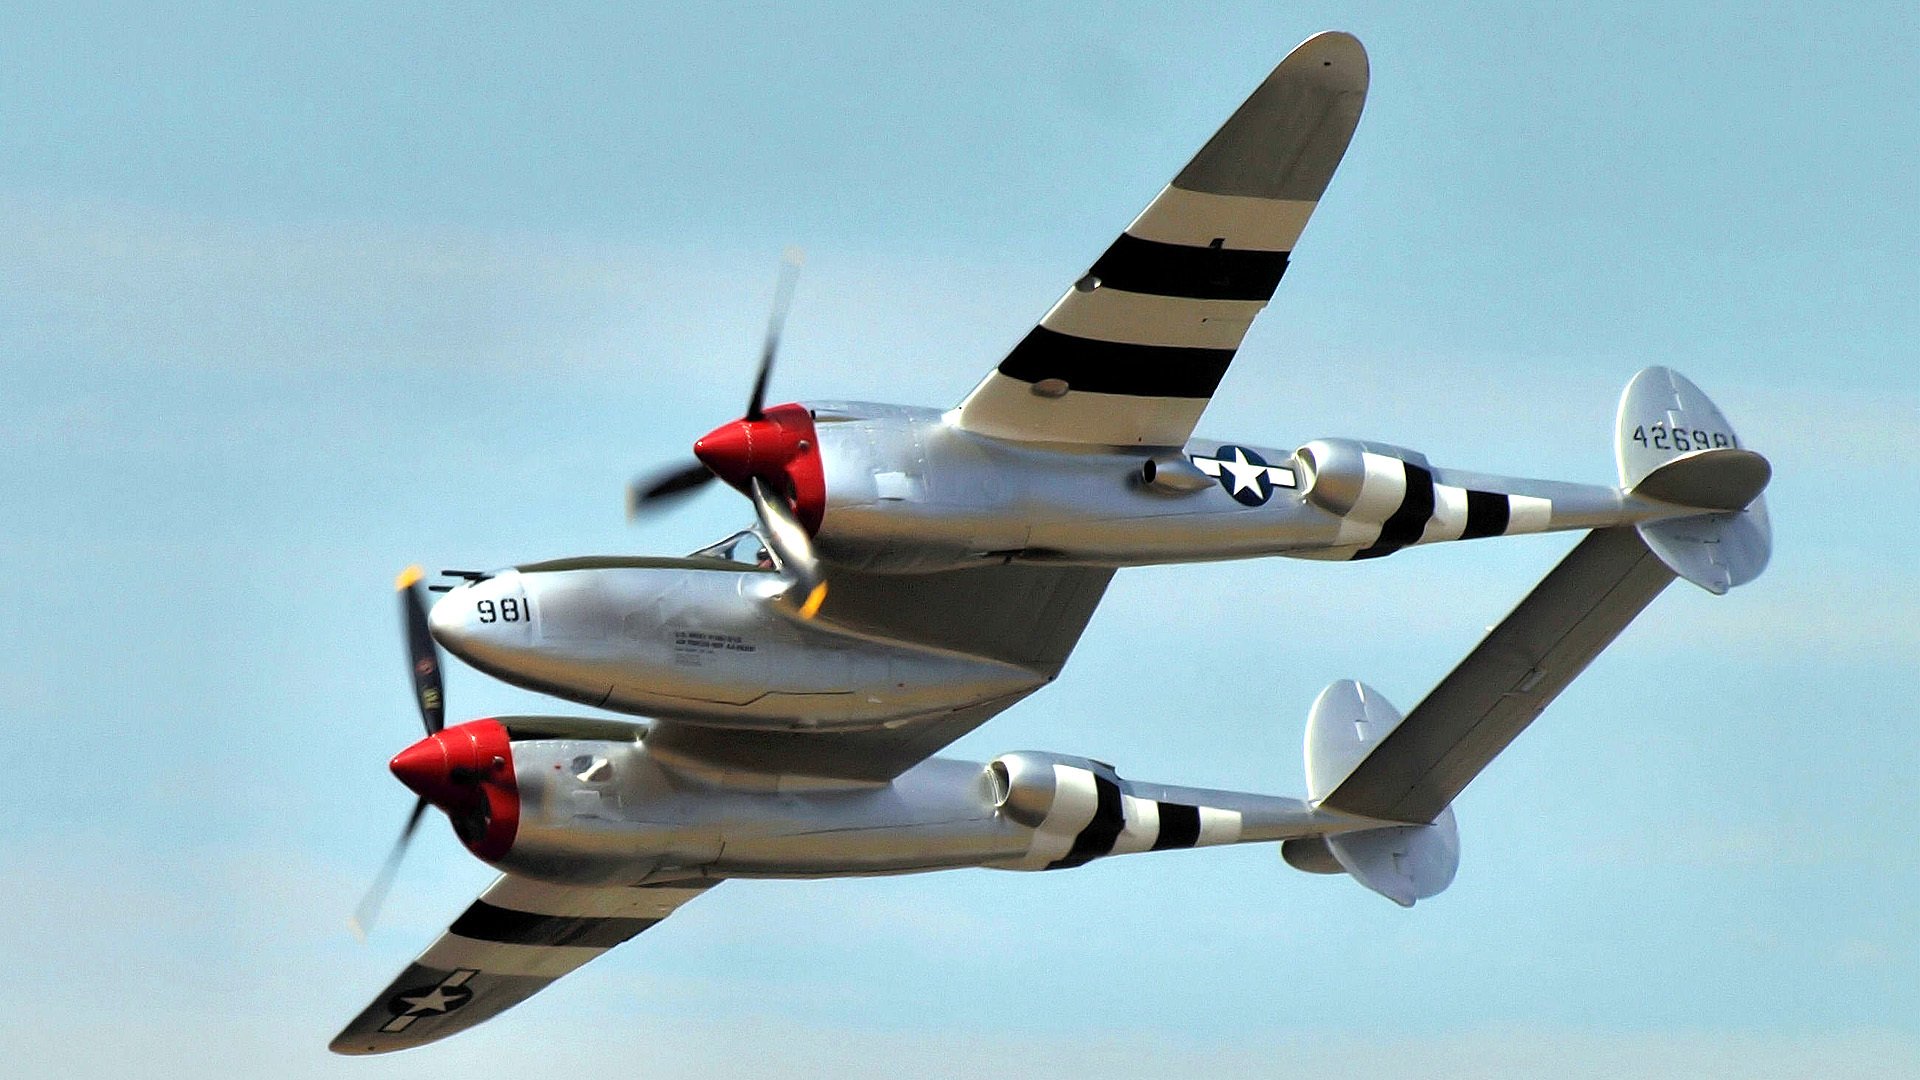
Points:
[[728, 451], [423, 767], [467, 771]]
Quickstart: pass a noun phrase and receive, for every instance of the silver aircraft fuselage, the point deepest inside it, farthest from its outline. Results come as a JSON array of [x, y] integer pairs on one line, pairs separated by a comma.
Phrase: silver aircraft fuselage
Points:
[[701, 640], [897, 492]]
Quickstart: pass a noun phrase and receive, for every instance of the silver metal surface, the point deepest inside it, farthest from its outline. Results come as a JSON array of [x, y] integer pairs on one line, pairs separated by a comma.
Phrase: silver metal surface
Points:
[[1549, 638], [611, 813], [707, 644], [907, 491]]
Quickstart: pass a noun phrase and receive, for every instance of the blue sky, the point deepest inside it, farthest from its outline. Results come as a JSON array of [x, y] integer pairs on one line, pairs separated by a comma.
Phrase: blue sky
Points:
[[291, 299]]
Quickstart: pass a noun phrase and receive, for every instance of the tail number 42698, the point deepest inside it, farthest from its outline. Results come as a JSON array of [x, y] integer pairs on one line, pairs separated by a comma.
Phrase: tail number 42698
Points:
[[1661, 438]]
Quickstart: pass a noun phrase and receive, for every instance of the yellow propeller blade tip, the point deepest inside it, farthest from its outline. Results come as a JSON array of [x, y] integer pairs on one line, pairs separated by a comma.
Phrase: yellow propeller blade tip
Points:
[[814, 599], [408, 578]]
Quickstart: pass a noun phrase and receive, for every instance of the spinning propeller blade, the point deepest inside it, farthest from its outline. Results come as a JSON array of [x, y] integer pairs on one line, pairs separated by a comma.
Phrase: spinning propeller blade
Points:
[[664, 485], [369, 908], [791, 547], [422, 654], [423, 657], [776, 322]]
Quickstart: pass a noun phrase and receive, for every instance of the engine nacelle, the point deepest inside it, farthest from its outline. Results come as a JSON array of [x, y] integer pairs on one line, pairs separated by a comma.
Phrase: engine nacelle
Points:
[[1364, 482], [1026, 786]]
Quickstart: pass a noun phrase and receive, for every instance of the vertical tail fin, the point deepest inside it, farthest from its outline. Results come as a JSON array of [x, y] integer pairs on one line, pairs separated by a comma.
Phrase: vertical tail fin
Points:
[[1673, 446], [1403, 863]]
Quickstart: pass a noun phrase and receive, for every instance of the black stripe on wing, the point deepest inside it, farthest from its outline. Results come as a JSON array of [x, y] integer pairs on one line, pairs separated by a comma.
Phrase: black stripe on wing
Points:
[[1111, 367], [1199, 273], [1153, 268], [485, 922]]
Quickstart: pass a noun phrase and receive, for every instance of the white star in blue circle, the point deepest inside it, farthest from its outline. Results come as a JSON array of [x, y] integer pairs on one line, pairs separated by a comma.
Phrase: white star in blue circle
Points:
[[1244, 474]]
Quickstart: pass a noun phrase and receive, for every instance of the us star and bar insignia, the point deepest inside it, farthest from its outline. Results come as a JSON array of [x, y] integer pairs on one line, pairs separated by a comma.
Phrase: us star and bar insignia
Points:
[[1244, 474], [438, 999]]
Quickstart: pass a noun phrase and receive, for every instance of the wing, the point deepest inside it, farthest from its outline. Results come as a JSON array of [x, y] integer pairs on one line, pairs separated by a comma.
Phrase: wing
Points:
[[511, 944], [1132, 353], [1517, 669], [1027, 615]]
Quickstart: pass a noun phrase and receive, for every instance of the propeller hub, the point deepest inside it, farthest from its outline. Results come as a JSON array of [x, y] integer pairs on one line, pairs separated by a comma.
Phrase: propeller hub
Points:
[[782, 449], [728, 450], [467, 772], [423, 767]]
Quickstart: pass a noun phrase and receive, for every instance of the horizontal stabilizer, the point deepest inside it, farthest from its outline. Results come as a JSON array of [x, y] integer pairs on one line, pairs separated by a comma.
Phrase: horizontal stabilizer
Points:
[[1724, 479], [1517, 669]]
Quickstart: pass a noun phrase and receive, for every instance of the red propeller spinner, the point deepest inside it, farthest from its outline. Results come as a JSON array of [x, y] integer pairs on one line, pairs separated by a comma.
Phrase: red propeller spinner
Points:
[[780, 448], [467, 771]]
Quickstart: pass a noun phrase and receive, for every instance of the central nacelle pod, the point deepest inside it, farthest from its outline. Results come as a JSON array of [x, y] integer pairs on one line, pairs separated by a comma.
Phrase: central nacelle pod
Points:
[[703, 641]]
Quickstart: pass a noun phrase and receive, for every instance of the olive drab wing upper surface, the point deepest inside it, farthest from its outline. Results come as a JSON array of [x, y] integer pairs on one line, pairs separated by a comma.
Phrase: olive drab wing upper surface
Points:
[[1135, 349]]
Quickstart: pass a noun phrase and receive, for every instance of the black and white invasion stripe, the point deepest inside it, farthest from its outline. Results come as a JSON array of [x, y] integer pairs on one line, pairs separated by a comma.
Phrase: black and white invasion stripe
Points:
[[1154, 324], [524, 927], [1094, 815], [486, 922], [1130, 355], [1145, 364], [511, 943], [1424, 511]]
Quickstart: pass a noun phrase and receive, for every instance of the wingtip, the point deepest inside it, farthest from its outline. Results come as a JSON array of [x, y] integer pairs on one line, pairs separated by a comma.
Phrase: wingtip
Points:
[[346, 1047], [1343, 60]]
